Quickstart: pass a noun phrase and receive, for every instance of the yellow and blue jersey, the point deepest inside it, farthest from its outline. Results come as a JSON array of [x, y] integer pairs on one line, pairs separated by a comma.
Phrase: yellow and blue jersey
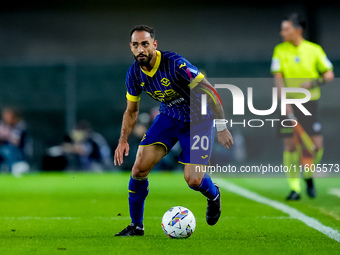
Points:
[[170, 82]]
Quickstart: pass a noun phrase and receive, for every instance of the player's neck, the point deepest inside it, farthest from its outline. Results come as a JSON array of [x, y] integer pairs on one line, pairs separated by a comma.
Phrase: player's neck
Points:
[[152, 63], [297, 41]]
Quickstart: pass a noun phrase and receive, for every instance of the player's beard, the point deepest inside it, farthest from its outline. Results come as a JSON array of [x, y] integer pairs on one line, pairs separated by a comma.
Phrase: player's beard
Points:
[[146, 61]]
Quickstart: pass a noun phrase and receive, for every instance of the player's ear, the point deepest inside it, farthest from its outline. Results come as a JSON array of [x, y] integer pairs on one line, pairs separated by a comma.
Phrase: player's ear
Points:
[[155, 44]]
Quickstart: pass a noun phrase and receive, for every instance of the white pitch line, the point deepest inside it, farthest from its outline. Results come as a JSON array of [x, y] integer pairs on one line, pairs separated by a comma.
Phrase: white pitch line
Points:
[[292, 212], [334, 191]]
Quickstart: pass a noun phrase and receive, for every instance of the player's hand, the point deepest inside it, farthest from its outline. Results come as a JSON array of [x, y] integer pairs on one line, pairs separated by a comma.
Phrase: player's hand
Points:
[[225, 138], [307, 85], [122, 149]]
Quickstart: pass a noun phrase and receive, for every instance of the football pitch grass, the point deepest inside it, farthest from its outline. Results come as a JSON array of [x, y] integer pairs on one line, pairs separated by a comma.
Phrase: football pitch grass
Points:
[[79, 213]]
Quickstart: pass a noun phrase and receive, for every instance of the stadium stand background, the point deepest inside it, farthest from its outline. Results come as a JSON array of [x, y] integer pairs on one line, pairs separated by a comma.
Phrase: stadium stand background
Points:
[[67, 60]]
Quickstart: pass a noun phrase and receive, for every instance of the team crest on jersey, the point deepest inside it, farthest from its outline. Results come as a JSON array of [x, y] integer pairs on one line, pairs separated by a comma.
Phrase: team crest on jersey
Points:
[[165, 82], [183, 65]]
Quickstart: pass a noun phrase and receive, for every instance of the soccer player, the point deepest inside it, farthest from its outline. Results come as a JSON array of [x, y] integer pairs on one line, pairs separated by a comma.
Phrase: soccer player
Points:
[[178, 85], [297, 62]]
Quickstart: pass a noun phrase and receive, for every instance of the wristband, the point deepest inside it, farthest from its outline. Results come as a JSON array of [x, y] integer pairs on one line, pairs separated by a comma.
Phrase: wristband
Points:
[[220, 125]]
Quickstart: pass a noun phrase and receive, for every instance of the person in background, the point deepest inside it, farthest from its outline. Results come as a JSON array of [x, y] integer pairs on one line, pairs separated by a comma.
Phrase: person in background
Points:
[[88, 149], [299, 63], [13, 134]]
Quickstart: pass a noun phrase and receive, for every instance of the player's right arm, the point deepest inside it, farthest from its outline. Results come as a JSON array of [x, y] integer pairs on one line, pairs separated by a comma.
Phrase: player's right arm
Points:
[[129, 121], [276, 70], [279, 83]]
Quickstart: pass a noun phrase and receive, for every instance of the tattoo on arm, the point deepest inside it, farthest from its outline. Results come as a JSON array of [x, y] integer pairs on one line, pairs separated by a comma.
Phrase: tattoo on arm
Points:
[[214, 100]]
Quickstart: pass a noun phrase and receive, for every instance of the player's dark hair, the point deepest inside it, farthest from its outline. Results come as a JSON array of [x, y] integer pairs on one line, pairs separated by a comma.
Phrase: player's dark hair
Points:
[[145, 28], [297, 20]]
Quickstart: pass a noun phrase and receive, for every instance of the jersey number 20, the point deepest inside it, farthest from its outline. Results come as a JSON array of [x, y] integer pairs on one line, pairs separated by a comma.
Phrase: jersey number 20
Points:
[[203, 141]]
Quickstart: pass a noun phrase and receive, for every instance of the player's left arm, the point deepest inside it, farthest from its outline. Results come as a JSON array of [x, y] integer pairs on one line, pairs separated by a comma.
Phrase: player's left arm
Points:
[[327, 76], [223, 134], [198, 83], [325, 67]]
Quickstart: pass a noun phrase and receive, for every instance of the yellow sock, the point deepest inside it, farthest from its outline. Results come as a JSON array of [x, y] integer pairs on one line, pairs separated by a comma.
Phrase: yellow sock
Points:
[[294, 184], [316, 160], [291, 159], [318, 156]]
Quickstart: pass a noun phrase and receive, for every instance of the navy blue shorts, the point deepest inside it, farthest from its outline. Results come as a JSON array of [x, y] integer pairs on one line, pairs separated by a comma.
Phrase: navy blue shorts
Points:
[[195, 138]]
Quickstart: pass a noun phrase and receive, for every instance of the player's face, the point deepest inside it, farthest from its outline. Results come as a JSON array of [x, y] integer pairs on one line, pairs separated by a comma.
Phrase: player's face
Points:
[[143, 47], [288, 32], [8, 117]]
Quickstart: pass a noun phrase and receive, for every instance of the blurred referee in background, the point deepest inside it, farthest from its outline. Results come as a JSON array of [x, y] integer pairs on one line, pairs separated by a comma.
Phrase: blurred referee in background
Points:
[[297, 62]]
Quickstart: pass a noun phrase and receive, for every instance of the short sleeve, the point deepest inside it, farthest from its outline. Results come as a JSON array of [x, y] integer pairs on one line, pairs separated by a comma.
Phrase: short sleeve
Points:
[[275, 66], [133, 92], [322, 62], [188, 73]]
